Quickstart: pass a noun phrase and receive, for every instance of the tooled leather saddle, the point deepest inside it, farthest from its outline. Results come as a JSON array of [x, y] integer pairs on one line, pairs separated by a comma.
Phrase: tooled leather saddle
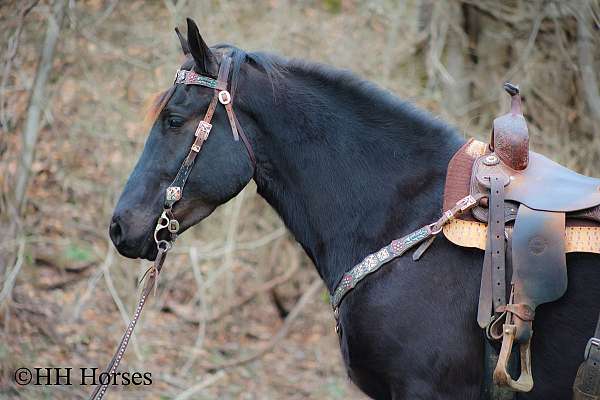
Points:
[[533, 212]]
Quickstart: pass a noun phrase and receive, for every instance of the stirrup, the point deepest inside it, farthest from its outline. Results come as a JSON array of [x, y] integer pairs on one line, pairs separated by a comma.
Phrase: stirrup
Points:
[[501, 376]]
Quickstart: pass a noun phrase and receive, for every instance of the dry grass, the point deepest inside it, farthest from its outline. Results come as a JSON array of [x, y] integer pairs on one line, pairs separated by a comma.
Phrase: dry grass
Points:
[[73, 295]]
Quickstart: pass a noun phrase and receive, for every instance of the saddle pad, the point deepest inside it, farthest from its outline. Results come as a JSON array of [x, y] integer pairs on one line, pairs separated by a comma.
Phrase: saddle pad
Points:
[[583, 239]]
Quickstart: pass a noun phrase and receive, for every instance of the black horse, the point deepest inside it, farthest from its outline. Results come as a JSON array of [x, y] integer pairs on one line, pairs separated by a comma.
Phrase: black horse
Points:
[[349, 167]]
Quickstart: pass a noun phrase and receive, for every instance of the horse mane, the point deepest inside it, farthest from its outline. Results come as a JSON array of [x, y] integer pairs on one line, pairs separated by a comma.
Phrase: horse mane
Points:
[[354, 88], [345, 81]]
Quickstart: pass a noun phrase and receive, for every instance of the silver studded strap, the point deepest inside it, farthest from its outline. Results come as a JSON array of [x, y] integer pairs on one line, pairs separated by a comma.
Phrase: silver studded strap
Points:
[[373, 262]]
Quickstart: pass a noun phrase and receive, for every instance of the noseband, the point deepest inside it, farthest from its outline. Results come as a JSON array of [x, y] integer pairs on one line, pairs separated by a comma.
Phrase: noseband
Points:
[[175, 191]]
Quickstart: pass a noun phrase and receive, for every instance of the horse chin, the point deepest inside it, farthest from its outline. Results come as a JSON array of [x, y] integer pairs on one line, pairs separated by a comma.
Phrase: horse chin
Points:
[[190, 213]]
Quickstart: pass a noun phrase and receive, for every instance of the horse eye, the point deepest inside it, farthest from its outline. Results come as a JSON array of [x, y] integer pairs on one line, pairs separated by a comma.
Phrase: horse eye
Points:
[[175, 122]]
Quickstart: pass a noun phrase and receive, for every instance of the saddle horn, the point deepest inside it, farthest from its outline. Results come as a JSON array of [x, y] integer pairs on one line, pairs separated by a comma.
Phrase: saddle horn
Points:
[[510, 136]]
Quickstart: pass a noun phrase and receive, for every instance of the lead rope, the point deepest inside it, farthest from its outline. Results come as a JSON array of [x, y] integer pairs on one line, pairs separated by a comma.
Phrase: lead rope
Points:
[[166, 221], [149, 286]]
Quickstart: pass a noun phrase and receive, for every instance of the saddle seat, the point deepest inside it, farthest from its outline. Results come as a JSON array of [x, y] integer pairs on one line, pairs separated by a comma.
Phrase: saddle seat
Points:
[[545, 185], [531, 212]]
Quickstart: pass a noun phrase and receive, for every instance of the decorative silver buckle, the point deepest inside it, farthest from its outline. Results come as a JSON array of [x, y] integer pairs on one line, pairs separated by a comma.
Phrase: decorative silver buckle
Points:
[[433, 229], [467, 203], [173, 193], [173, 226], [592, 342], [180, 76], [204, 128], [224, 97]]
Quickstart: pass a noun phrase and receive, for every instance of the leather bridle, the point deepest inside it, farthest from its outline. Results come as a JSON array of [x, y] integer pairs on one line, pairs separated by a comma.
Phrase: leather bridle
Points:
[[174, 192], [223, 96]]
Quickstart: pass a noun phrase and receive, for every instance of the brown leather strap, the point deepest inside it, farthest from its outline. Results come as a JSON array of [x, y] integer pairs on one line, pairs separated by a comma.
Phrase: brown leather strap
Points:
[[245, 140], [150, 284], [231, 116], [484, 311], [523, 311], [211, 108], [223, 73], [497, 242]]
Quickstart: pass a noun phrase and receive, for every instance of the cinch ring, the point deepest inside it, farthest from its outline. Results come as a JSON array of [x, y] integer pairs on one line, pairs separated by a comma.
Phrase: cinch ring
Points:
[[224, 97]]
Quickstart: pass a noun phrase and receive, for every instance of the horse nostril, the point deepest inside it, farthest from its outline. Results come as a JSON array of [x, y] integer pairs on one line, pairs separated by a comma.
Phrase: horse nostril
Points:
[[115, 231]]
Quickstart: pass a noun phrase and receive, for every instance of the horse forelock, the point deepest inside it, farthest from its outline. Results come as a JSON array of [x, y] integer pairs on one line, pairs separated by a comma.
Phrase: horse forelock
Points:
[[155, 104]]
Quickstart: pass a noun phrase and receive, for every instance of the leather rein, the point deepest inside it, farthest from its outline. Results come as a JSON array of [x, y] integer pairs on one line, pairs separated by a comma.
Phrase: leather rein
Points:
[[174, 192]]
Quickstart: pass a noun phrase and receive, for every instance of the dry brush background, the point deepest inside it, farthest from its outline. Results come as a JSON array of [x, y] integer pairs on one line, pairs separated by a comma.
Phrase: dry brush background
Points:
[[239, 312]]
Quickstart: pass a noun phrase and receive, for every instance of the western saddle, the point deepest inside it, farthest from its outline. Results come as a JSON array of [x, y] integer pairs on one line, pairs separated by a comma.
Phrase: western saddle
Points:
[[533, 211]]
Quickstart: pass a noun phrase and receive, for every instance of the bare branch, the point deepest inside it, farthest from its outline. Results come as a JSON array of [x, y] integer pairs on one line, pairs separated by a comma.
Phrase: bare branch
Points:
[[11, 277], [11, 53], [37, 99], [191, 392], [585, 53]]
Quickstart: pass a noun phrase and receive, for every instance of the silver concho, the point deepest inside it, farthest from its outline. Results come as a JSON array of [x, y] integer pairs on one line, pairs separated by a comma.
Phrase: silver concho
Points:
[[204, 129], [491, 160], [224, 97], [173, 193]]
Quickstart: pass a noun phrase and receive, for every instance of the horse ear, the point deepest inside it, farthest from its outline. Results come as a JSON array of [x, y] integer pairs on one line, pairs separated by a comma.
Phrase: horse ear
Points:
[[184, 43], [203, 56]]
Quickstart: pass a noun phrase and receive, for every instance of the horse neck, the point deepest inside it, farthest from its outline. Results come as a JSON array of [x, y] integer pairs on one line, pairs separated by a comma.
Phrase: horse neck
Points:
[[348, 168]]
